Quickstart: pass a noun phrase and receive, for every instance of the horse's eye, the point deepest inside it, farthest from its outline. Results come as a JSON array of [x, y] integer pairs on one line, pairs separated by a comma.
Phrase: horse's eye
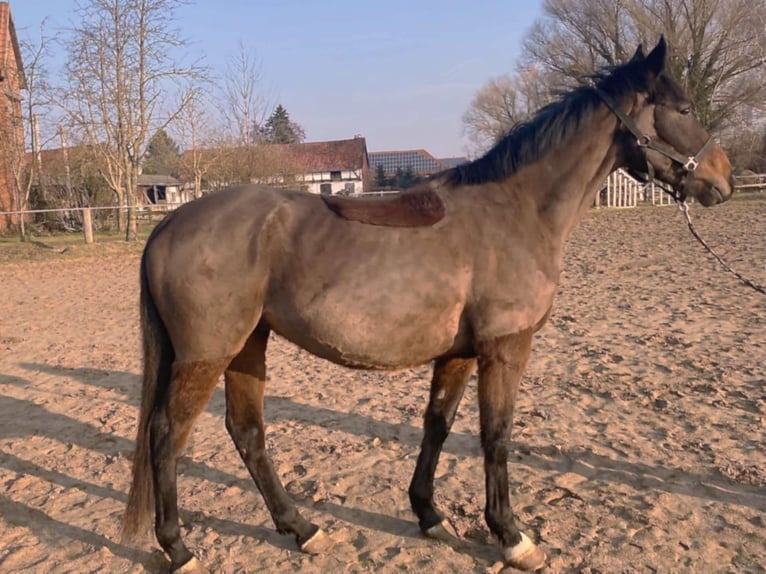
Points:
[[685, 110]]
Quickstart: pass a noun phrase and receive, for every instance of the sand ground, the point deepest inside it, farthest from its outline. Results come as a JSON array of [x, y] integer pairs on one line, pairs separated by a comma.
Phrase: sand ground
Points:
[[639, 441]]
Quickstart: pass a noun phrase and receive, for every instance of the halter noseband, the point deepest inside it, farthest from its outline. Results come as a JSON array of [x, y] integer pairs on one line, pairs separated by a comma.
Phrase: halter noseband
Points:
[[689, 163]]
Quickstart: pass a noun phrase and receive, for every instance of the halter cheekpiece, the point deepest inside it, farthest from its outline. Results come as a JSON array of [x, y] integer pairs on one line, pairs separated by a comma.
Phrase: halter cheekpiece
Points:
[[689, 163]]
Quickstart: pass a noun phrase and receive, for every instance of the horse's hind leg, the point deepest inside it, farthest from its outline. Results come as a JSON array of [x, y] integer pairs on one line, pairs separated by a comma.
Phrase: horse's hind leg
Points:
[[449, 381], [189, 391], [245, 382]]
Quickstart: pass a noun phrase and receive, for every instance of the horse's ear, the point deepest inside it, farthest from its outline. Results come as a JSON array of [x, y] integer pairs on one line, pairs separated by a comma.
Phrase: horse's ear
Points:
[[655, 61], [639, 55]]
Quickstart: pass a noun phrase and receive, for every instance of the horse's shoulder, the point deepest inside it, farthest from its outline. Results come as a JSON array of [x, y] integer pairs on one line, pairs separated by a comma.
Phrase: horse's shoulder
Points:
[[420, 207]]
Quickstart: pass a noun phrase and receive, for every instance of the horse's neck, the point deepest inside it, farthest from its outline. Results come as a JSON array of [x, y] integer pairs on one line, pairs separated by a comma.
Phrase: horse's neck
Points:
[[568, 178]]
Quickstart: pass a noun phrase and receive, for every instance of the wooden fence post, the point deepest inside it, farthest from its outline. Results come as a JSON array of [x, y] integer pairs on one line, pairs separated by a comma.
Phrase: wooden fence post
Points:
[[87, 225]]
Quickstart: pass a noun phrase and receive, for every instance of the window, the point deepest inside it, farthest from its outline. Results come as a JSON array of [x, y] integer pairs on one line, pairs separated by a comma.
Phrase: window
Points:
[[325, 188], [334, 176], [349, 188], [156, 194]]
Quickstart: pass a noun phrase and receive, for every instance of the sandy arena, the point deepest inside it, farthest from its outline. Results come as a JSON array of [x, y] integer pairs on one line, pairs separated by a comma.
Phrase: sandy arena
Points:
[[639, 439]]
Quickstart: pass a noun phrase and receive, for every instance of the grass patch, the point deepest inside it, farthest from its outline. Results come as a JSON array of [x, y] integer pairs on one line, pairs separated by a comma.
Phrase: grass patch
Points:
[[70, 246]]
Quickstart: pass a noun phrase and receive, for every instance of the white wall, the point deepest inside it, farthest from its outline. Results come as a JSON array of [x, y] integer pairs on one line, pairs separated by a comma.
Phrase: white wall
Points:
[[313, 181]]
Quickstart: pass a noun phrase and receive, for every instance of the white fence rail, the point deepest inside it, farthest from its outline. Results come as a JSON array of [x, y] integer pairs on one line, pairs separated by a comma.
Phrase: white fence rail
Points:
[[162, 207], [86, 218], [751, 182], [621, 190]]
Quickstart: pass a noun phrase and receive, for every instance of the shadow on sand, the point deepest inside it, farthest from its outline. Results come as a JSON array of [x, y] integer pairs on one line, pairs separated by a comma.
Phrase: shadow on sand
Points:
[[38, 420]]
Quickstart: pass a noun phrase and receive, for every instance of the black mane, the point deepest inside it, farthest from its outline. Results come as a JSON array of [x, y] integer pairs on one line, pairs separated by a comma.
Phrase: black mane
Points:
[[550, 127]]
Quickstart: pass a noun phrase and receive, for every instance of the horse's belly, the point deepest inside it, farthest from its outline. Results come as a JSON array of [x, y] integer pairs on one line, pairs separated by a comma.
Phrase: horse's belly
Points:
[[353, 336]]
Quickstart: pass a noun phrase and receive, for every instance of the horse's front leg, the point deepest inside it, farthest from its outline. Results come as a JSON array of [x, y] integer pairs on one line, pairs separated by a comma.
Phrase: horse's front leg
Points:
[[501, 364]]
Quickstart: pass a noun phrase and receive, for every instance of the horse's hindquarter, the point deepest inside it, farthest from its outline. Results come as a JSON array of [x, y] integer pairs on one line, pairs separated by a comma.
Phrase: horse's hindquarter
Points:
[[207, 272], [365, 295]]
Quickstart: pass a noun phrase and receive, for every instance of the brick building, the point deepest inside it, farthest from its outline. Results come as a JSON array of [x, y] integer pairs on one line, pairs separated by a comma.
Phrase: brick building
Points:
[[11, 129]]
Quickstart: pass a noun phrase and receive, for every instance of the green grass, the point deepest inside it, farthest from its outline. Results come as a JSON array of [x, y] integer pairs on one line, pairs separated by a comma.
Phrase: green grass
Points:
[[70, 246]]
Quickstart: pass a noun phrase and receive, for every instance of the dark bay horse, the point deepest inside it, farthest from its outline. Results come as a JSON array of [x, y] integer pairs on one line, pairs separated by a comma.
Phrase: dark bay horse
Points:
[[461, 271]]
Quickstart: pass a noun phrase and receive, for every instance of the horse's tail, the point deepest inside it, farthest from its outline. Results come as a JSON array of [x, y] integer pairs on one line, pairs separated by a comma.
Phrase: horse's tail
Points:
[[158, 360]]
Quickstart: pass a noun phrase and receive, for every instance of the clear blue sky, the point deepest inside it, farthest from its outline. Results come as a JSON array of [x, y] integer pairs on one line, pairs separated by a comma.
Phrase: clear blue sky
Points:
[[401, 73]]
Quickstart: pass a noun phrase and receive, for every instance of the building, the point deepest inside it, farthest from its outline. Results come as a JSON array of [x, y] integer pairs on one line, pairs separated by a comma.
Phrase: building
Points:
[[329, 167], [403, 169], [419, 161], [161, 190], [450, 162], [12, 81]]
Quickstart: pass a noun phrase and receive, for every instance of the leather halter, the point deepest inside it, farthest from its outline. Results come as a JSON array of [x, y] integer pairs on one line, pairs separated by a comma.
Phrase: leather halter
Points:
[[689, 163]]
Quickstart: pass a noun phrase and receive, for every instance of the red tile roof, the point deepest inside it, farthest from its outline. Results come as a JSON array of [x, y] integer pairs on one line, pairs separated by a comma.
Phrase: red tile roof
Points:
[[324, 156], [294, 159], [53, 159]]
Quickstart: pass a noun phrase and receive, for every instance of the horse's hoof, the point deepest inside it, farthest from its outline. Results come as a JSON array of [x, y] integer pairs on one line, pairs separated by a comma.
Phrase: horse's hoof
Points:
[[525, 555], [318, 543], [442, 531], [193, 566]]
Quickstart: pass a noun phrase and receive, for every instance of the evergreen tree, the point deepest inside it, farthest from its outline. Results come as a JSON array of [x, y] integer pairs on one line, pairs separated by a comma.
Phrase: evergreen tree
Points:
[[398, 177], [405, 178], [408, 178], [381, 180], [162, 155], [280, 129]]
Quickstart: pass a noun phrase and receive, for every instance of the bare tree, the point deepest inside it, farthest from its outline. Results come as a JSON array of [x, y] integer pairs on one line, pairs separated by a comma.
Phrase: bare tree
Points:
[[246, 103], [577, 37], [502, 103], [119, 73], [716, 47], [203, 137]]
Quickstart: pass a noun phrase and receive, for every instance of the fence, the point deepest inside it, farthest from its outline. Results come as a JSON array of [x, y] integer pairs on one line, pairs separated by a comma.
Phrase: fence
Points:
[[751, 182], [88, 219], [622, 190]]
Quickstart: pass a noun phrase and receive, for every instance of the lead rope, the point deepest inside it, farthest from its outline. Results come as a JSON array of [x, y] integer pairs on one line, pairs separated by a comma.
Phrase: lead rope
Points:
[[690, 165], [684, 207]]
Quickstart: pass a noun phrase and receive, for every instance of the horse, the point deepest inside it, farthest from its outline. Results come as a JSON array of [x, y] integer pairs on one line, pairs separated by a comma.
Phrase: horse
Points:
[[460, 271]]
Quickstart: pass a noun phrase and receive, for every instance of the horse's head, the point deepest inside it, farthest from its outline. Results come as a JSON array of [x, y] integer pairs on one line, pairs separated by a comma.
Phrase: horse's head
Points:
[[664, 139]]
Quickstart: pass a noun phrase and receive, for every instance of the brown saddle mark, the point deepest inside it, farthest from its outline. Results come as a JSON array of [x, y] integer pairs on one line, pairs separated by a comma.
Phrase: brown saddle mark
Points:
[[417, 208]]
